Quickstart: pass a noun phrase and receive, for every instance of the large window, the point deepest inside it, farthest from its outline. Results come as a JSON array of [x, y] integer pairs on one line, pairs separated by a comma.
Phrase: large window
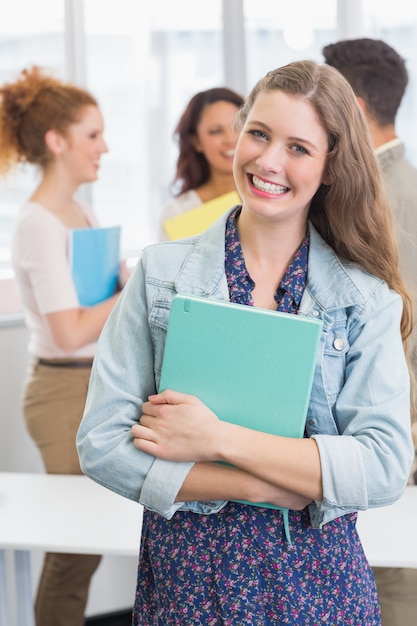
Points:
[[143, 66], [275, 36], [29, 35]]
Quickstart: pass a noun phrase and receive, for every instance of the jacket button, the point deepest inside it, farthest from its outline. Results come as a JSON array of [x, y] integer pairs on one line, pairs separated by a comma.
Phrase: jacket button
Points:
[[338, 344]]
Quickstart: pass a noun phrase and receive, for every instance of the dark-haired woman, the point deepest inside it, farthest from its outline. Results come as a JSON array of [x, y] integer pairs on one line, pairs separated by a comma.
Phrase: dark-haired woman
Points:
[[206, 142]]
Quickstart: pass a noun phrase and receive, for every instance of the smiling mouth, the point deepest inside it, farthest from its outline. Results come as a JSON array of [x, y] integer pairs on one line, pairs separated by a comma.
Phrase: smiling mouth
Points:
[[263, 185]]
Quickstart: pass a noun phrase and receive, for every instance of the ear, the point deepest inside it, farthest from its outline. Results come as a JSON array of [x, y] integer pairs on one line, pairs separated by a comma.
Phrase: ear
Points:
[[55, 141], [326, 180], [196, 143]]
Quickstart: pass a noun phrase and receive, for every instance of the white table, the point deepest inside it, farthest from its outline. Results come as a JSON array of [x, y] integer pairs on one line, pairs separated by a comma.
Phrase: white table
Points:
[[73, 514], [58, 513], [388, 533]]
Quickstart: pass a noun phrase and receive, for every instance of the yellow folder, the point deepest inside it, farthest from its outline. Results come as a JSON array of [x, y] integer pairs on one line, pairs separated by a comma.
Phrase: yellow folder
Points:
[[197, 220]]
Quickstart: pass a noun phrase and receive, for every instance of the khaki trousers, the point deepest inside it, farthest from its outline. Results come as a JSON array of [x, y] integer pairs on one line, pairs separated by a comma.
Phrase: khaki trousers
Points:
[[397, 590], [53, 405]]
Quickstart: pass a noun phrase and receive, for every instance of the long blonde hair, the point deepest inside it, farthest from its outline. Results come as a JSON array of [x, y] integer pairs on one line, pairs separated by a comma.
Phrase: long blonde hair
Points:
[[352, 214]]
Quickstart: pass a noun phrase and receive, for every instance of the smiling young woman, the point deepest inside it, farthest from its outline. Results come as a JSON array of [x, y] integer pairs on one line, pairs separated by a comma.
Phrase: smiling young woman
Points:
[[206, 142], [313, 236], [58, 128]]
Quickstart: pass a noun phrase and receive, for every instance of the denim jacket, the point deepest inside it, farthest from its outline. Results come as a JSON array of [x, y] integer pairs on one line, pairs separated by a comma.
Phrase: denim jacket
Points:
[[359, 412]]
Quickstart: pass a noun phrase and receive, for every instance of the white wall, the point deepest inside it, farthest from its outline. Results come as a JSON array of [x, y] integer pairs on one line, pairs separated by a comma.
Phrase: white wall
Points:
[[17, 451], [114, 583]]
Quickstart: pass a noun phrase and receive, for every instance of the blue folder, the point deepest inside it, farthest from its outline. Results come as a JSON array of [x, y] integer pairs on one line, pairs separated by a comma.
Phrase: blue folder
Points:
[[251, 366], [95, 257]]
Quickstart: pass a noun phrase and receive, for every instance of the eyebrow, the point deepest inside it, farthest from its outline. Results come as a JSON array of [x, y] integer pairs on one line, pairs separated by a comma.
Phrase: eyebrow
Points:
[[296, 139]]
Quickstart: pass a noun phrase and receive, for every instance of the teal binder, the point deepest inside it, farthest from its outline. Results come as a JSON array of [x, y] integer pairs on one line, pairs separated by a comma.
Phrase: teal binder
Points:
[[95, 257], [251, 366]]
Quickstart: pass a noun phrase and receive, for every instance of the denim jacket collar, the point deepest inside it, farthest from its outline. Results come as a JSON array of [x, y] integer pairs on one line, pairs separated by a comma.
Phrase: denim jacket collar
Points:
[[330, 283]]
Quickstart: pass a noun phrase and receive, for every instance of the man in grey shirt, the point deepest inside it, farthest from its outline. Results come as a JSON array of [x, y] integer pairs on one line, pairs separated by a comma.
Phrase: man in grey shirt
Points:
[[379, 77]]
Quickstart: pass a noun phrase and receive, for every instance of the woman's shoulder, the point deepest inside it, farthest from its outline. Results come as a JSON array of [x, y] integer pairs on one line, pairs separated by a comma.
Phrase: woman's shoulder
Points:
[[336, 278], [169, 255], [184, 202], [37, 234], [176, 206], [34, 217]]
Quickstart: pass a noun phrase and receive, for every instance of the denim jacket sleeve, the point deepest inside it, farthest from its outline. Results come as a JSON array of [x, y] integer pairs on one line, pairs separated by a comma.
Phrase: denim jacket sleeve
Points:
[[122, 378], [365, 385]]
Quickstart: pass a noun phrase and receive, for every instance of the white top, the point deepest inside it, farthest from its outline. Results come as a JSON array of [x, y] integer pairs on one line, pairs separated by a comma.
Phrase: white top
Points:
[[41, 264], [182, 203]]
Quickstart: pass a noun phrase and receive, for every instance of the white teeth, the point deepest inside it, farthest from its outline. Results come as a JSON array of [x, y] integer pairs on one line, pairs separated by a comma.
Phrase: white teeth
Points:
[[269, 187], [229, 153]]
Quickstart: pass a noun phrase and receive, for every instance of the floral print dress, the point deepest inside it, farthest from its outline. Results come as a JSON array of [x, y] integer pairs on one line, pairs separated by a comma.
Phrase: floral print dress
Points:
[[236, 567]]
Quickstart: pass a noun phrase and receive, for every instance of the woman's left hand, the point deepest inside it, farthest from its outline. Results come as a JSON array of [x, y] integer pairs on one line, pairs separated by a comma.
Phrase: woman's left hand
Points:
[[177, 427]]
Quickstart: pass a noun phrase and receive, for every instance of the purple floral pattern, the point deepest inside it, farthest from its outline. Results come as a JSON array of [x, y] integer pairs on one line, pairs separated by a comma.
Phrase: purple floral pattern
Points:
[[291, 287], [236, 568]]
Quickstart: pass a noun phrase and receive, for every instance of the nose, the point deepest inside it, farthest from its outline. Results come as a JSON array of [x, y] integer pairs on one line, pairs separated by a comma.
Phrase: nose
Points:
[[271, 158], [230, 137], [104, 147]]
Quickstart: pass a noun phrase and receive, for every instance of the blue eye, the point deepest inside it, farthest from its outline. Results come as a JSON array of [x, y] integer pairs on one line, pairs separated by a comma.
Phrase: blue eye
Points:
[[299, 149], [258, 133]]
